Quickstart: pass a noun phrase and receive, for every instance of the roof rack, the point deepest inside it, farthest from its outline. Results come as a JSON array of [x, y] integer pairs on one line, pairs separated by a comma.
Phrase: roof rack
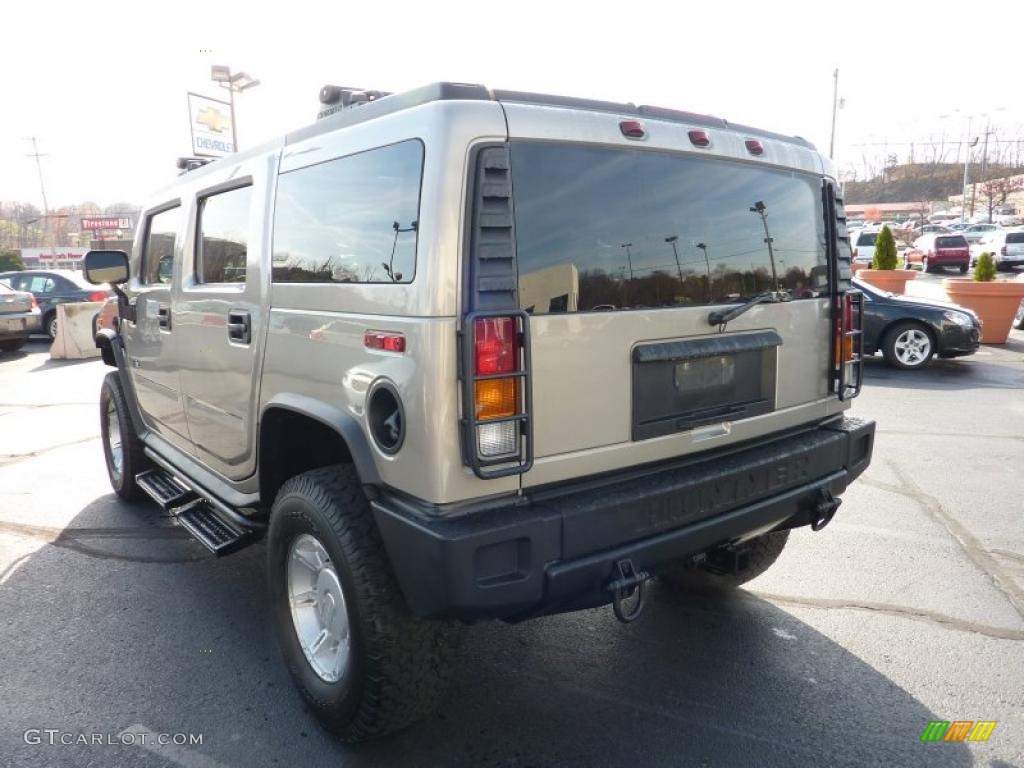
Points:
[[186, 164], [372, 104], [338, 97]]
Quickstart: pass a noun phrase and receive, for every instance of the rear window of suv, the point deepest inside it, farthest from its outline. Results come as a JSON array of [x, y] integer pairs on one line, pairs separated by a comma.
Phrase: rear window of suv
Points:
[[867, 238], [1015, 237], [956, 241], [608, 229]]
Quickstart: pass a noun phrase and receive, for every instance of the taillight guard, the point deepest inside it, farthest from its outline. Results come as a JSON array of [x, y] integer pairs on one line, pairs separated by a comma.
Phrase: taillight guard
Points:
[[848, 345], [497, 400]]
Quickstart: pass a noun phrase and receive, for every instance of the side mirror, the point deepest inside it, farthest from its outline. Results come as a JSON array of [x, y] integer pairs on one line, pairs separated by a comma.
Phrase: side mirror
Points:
[[106, 267]]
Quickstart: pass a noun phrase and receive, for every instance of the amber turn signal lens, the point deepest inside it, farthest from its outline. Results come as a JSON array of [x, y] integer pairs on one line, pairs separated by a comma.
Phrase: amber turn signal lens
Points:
[[496, 398]]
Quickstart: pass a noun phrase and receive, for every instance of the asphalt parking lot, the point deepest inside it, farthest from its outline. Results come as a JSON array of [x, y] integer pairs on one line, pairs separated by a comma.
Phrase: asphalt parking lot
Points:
[[908, 608]]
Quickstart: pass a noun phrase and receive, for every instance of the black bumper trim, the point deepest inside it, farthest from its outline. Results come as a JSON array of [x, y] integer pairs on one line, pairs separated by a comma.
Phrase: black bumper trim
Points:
[[555, 552]]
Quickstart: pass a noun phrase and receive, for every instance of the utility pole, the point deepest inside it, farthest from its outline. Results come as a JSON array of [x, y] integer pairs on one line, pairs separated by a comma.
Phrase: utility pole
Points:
[[675, 252], [39, 168], [835, 106], [967, 167], [984, 169], [762, 210]]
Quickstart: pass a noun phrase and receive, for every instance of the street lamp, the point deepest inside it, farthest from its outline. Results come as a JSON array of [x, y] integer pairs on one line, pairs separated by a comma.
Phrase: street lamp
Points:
[[762, 211], [235, 83], [675, 252], [707, 266], [389, 266]]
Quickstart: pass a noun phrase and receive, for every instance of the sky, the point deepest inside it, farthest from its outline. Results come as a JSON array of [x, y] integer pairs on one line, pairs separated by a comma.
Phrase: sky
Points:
[[102, 86]]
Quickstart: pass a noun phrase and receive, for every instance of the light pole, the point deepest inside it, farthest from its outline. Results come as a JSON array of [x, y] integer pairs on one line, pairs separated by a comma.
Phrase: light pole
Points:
[[675, 252], [707, 266], [235, 83], [760, 209], [389, 268]]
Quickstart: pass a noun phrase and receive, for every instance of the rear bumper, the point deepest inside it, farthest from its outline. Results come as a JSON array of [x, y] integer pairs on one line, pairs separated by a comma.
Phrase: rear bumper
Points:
[[555, 550]]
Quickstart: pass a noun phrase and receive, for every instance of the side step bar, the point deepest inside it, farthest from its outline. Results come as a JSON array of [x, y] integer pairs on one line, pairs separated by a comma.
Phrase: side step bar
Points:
[[217, 527], [164, 488]]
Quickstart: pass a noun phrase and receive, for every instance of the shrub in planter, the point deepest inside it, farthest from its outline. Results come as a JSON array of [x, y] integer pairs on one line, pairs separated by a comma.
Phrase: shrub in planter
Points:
[[885, 250], [985, 269], [883, 273], [994, 301]]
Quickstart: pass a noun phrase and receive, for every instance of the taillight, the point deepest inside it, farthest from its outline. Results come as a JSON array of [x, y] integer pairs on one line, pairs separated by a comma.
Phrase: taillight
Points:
[[98, 296], [843, 350], [496, 394], [496, 352], [35, 304], [389, 342], [1003, 250]]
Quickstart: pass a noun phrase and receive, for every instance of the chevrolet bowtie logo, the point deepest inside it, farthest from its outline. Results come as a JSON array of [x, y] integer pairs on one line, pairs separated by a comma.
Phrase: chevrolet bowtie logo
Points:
[[213, 119]]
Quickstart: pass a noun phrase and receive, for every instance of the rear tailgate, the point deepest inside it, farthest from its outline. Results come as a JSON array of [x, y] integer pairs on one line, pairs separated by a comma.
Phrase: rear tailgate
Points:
[[951, 248], [623, 250]]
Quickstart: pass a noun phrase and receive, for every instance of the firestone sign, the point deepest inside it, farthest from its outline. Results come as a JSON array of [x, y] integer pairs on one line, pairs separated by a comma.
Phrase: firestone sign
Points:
[[106, 222], [210, 121]]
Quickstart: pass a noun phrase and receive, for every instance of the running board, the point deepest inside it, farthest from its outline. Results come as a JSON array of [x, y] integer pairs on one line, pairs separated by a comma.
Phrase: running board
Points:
[[164, 488], [212, 528]]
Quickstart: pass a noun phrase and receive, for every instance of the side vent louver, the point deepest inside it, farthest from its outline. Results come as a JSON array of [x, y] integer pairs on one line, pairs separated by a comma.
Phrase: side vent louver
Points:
[[844, 249], [492, 267]]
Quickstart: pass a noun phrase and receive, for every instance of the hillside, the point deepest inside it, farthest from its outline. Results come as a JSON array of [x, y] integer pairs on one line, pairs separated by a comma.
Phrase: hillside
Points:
[[918, 182]]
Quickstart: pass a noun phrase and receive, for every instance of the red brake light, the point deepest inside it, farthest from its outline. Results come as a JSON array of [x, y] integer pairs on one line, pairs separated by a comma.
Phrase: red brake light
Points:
[[699, 138], [632, 129], [98, 296], [495, 350], [754, 147], [389, 342], [35, 304], [1003, 250]]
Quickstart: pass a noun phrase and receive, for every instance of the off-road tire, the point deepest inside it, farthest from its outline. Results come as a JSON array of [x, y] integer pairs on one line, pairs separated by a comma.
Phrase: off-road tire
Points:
[[134, 459], [763, 552], [399, 664], [12, 346]]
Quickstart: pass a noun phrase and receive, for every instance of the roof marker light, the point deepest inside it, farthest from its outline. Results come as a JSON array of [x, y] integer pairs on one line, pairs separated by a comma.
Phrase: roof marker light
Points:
[[632, 129], [754, 147], [699, 138]]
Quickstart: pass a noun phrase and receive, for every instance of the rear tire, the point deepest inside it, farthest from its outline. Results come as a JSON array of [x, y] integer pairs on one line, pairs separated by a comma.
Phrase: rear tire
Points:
[[122, 448], [963, 269], [13, 345], [50, 326], [379, 668], [1018, 320], [763, 552], [924, 265], [908, 346]]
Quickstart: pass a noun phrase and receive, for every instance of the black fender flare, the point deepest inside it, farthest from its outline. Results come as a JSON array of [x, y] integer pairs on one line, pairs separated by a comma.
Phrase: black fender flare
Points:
[[344, 424]]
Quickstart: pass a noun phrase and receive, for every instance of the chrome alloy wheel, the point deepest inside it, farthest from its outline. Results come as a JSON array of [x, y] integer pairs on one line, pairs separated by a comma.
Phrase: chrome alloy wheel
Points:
[[912, 347], [318, 608], [114, 445]]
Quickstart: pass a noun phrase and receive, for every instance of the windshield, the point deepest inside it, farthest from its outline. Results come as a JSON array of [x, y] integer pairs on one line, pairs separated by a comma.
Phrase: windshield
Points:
[[606, 229], [867, 238]]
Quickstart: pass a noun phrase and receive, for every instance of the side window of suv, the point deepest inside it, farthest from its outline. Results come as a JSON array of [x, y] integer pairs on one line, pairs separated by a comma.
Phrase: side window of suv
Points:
[[158, 253], [222, 233], [350, 220]]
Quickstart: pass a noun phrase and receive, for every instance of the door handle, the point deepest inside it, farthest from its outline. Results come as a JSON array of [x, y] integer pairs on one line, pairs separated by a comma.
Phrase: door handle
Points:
[[239, 326], [163, 316]]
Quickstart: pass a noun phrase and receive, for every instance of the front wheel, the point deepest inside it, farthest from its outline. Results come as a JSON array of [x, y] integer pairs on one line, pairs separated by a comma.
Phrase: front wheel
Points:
[[364, 663], [908, 346], [1018, 320], [122, 448], [759, 555]]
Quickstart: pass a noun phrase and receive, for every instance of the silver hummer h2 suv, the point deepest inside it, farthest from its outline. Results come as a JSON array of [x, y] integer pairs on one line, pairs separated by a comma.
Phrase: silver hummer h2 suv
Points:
[[465, 354]]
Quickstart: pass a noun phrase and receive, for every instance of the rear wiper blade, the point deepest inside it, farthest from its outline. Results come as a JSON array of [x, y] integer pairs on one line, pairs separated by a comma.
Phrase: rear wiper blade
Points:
[[722, 317]]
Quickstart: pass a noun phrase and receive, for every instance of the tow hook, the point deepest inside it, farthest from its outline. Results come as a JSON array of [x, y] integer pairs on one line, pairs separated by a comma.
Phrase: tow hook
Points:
[[824, 510], [625, 582]]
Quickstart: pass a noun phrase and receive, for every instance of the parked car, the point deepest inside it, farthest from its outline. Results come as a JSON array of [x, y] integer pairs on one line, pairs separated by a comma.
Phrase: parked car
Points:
[[52, 287], [909, 331], [863, 241], [975, 233], [1006, 247], [379, 421], [933, 251], [19, 316]]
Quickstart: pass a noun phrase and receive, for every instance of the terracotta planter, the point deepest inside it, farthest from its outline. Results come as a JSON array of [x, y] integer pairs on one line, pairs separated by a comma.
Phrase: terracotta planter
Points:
[[892, 280], [857, 266], [995, 302]]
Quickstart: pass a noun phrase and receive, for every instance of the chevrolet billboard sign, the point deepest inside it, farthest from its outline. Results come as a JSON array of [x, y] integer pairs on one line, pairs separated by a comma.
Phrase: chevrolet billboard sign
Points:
[[210, 121]]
